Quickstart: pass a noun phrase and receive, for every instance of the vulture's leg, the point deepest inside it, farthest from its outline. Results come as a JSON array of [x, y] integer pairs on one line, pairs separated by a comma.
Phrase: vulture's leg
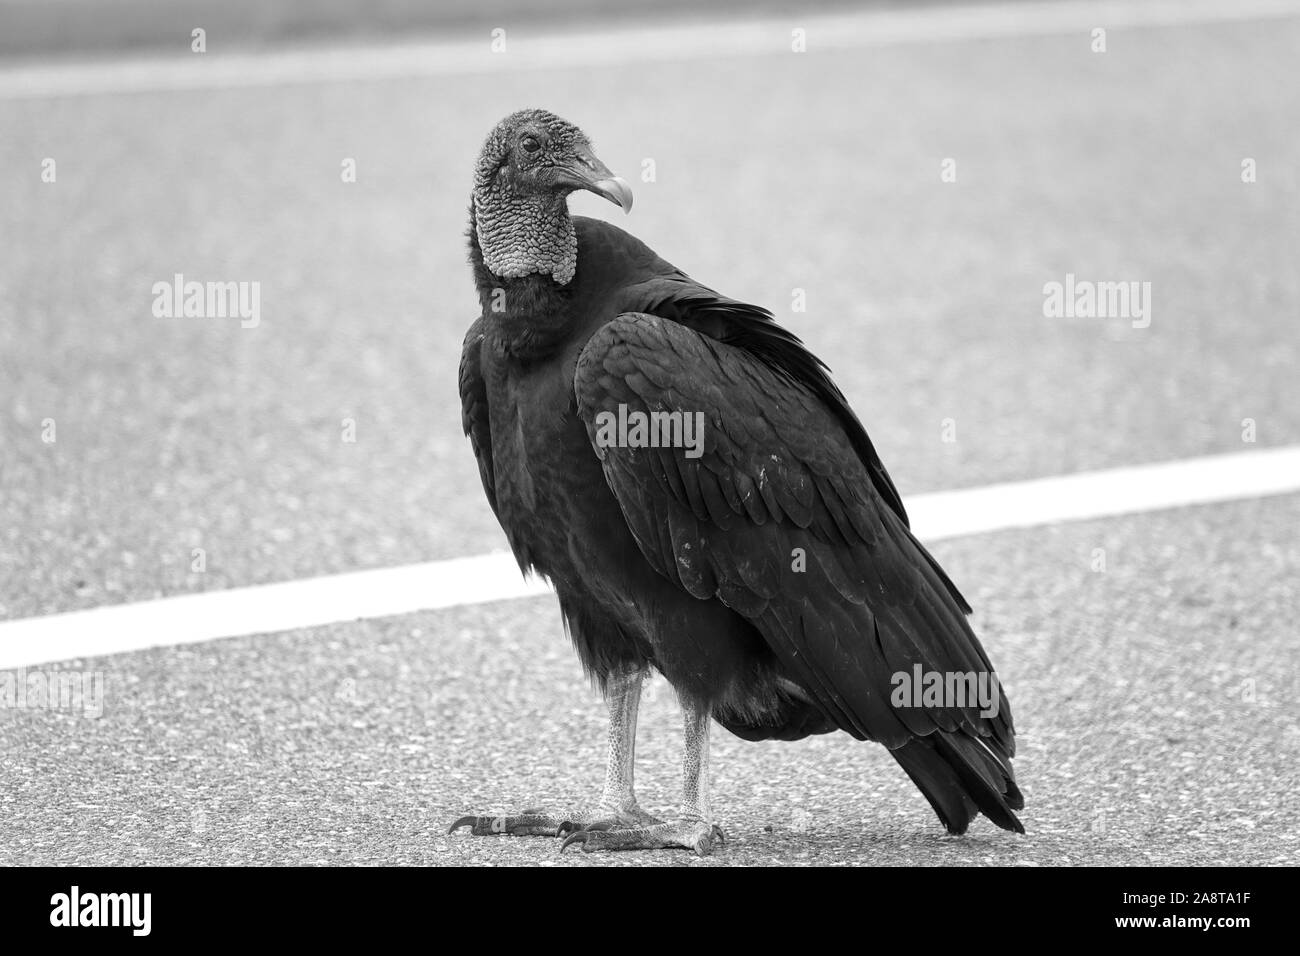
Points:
[[696, 829], [617, 806]]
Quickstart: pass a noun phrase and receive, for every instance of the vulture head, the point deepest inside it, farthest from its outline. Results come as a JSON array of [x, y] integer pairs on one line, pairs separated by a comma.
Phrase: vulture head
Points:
[[529, 164]]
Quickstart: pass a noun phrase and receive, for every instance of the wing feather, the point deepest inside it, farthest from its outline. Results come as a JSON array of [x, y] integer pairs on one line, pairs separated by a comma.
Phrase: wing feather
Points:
[[474, 409], [779, 474]]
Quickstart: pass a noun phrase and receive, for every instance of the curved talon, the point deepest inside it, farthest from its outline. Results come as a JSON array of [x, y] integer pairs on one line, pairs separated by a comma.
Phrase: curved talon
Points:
[[470, 822], [577, 836], [566, 827], [720, 835]]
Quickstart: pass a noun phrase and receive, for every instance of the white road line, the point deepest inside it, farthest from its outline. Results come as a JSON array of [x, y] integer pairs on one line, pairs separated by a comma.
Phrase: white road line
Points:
[[1104, 494], [649, 42], [264, 609], [386, 592]]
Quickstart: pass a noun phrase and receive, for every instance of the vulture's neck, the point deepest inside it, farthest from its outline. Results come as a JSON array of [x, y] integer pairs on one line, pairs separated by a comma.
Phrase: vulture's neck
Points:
[[525, 235], [520, 292]]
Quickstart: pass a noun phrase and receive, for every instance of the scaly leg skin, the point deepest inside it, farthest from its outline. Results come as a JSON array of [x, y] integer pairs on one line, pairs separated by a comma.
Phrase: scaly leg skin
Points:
[[695, 830], [617, 808]]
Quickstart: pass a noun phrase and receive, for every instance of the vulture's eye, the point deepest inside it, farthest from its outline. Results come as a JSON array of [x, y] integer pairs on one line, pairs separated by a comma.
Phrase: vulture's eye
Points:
[[530, 144]]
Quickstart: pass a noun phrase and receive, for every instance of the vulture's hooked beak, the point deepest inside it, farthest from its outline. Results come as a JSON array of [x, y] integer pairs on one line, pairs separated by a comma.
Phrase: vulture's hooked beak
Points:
[[591, 174], [616, 190]]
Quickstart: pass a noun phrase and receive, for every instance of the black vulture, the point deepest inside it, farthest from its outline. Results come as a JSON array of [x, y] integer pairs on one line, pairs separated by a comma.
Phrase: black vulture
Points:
[[705, 503]]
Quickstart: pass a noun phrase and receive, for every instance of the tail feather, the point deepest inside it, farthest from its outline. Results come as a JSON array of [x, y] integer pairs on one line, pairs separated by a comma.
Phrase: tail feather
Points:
[[961, 777]]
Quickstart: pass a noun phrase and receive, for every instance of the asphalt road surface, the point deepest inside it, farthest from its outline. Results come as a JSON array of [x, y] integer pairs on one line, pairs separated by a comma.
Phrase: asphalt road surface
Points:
[[1156, 697]]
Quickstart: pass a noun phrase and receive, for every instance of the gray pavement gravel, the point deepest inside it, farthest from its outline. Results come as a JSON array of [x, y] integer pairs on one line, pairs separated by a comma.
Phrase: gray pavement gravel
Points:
[[1156, 702]]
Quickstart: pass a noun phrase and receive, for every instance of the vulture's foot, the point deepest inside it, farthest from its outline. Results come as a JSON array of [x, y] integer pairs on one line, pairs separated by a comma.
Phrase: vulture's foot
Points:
[[697, 835], [541, 823], [627, 819]]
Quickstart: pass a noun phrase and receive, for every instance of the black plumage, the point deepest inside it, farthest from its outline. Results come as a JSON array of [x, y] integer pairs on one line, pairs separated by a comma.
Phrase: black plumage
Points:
[[688, 564]]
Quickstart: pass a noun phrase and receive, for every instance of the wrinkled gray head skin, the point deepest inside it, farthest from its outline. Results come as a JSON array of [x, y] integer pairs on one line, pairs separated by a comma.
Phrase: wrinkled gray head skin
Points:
[[529, 164]]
